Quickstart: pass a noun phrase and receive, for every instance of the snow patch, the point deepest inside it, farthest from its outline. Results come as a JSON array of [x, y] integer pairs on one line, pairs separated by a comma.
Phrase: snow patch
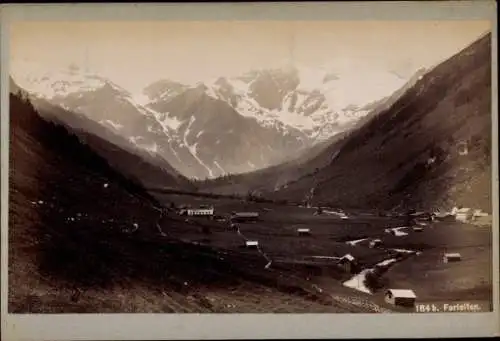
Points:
[[218, 166], [141, 99], [135, 139], [354, 242], [114, 125], [358, 281], [404, 250], [326, 257], [153, 148], [51, 82], [397, 231], [387, 262], [193, 149]]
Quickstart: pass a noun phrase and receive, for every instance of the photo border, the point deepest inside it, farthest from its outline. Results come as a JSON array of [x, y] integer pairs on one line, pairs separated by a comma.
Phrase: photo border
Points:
[[246, 326]]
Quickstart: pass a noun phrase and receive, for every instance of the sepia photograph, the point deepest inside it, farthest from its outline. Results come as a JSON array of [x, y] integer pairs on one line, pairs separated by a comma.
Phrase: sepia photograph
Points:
[[249, 166]]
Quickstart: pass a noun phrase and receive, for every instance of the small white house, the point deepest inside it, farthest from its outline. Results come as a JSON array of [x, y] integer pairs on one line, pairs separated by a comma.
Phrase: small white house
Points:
[[304, 232], [375, 243], [252, 244], [418, 228], [400, 297], [451, 257], [479, 213]]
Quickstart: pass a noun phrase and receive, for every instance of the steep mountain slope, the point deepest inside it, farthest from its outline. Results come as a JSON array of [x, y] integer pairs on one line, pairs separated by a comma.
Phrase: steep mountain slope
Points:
[[57, 186], [272, 178], [104, 102], [431, 147], [221, 139], [148, 169], [306, 163]]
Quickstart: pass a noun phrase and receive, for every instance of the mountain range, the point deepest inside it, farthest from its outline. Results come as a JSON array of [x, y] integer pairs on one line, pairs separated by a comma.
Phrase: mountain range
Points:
[[229, 125], [285, 130]]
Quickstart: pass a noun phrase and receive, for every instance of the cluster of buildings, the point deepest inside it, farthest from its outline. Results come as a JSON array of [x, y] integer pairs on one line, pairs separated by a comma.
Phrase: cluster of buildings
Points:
[[462, 214], [465, 214], [396, 297]]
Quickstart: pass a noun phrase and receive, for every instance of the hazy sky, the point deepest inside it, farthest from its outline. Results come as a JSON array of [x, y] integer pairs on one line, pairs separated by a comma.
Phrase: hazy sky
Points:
[[136, 53]]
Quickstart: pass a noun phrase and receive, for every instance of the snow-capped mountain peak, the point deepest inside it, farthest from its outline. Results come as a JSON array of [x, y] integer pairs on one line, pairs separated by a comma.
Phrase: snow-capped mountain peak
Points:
[[320, 101], [227, 124], [58, 82]]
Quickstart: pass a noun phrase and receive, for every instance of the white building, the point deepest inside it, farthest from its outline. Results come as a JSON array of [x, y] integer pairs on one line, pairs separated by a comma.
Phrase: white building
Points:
[[451, 257], [197, 211], [479, 213], [252, 244], [463, 214], [304, 232], [401, 297]]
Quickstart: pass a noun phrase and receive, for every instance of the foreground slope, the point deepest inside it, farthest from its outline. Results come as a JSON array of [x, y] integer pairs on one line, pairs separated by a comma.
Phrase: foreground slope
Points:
[[431, 148], [83, 238], [56, 183]]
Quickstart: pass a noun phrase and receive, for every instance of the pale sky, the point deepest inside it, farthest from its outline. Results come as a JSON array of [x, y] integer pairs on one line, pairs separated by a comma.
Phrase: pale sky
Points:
[[134, 53]]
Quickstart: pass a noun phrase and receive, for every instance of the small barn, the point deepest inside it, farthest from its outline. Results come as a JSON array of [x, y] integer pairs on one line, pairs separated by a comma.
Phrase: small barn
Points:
[[245, 216], [375, 243], [451, 257], [400, 297], [303, 232], [348, 263], [479, 213], [252, 244]]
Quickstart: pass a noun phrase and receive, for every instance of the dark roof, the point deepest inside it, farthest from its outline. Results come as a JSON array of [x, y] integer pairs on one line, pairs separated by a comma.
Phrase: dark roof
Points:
[[246, 214]]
